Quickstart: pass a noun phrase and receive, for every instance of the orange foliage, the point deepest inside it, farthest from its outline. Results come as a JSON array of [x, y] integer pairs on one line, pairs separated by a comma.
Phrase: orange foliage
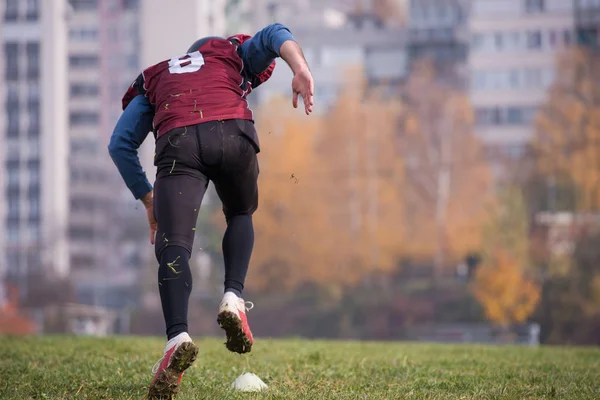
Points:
[[567, 139], [505, 293], [448, 180], [330, 193], [11, 322], [340, 197]]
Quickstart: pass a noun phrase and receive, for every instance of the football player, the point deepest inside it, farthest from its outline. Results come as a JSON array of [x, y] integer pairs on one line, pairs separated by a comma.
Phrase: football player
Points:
[[204, 130]]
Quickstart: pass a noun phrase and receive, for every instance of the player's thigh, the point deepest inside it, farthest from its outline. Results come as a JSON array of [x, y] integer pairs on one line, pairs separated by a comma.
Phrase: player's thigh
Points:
[[177, 200], [238, 188]]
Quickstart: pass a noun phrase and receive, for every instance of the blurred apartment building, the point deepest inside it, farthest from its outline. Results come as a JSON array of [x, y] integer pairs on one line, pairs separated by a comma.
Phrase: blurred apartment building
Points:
[[66, 66], [438, 30], [504, 53], [34, 191], [103, 60], [335, 36], [514, 48]]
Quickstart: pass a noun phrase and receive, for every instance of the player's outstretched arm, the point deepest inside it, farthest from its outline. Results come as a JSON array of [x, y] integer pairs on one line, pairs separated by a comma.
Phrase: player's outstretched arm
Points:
[[276, 40], [302, 83]]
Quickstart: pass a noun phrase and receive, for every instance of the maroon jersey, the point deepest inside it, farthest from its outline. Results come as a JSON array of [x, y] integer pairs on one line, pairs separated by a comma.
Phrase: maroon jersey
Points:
[[206, 85]]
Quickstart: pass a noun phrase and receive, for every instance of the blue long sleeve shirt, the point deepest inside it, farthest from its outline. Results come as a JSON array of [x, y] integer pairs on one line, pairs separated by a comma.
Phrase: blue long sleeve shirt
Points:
[[136, 121]]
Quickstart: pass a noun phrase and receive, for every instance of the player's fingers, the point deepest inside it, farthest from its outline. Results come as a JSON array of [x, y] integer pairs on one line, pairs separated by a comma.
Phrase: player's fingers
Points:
[[153, 229], [307, 101], [295, 99]]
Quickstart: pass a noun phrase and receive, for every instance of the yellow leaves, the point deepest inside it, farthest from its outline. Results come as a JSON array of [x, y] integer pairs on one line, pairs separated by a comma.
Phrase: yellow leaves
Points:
[[504, 285], [506, 294], [567, 138], [331, 204], [447, 178], [349, 193]]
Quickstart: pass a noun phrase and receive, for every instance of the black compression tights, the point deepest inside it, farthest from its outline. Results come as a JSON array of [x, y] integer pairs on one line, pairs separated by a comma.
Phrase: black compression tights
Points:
[[175, 286], [175, 277]]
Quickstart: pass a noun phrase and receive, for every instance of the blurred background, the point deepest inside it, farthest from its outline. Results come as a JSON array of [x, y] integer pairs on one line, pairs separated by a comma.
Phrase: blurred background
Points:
[[446, 189]]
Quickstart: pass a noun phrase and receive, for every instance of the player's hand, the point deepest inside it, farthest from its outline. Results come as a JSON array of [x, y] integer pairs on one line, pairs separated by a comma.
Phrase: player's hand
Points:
[[303, 85], [148, 201]]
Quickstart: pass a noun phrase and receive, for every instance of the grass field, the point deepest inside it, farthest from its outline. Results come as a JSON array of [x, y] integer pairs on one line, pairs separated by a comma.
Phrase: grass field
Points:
[[119, 368]]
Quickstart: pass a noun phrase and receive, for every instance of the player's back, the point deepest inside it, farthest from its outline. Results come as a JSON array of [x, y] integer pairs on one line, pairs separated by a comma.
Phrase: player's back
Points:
[[201, 86]]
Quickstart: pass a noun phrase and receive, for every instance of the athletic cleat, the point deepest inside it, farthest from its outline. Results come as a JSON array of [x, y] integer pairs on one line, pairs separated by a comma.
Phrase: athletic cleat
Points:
[[232, 319], [180, 354]]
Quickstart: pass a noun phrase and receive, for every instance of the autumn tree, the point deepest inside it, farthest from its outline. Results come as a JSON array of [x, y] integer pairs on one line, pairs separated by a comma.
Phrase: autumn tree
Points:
[[567, 128], [12, 319], [507, 295], [505, 284], [566, 177], [362, 178], [447, 177], [330, 192]]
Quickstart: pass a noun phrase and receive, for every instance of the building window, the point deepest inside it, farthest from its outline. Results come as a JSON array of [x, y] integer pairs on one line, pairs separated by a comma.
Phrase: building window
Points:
[[12, 111], [34, 208], [33, 93], [13, 173], [12, 10], [535, 6], [496, 116], [83, 34], [33, 167], [498, 41], [33, 60], [11, 51], [33, 117], [83, 61], [13, 201], [81, 233], [131, 4], [84, 146], [33, 10], [33, 146], [588, 37], [534, 40], [536, 78], [34, 203], [84, 118], [13, 147], [84, 89], [82, 5]]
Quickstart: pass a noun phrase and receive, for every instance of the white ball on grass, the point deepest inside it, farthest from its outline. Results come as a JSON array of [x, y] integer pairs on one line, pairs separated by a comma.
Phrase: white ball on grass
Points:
[[248, 383]]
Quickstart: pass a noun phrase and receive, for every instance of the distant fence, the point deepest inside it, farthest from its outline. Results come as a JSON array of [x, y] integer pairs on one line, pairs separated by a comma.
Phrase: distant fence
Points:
[[527, 335]]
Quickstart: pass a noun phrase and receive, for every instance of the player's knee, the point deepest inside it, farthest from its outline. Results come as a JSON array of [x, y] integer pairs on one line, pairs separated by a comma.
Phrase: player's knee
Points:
[[161, 246], [246, 213]]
